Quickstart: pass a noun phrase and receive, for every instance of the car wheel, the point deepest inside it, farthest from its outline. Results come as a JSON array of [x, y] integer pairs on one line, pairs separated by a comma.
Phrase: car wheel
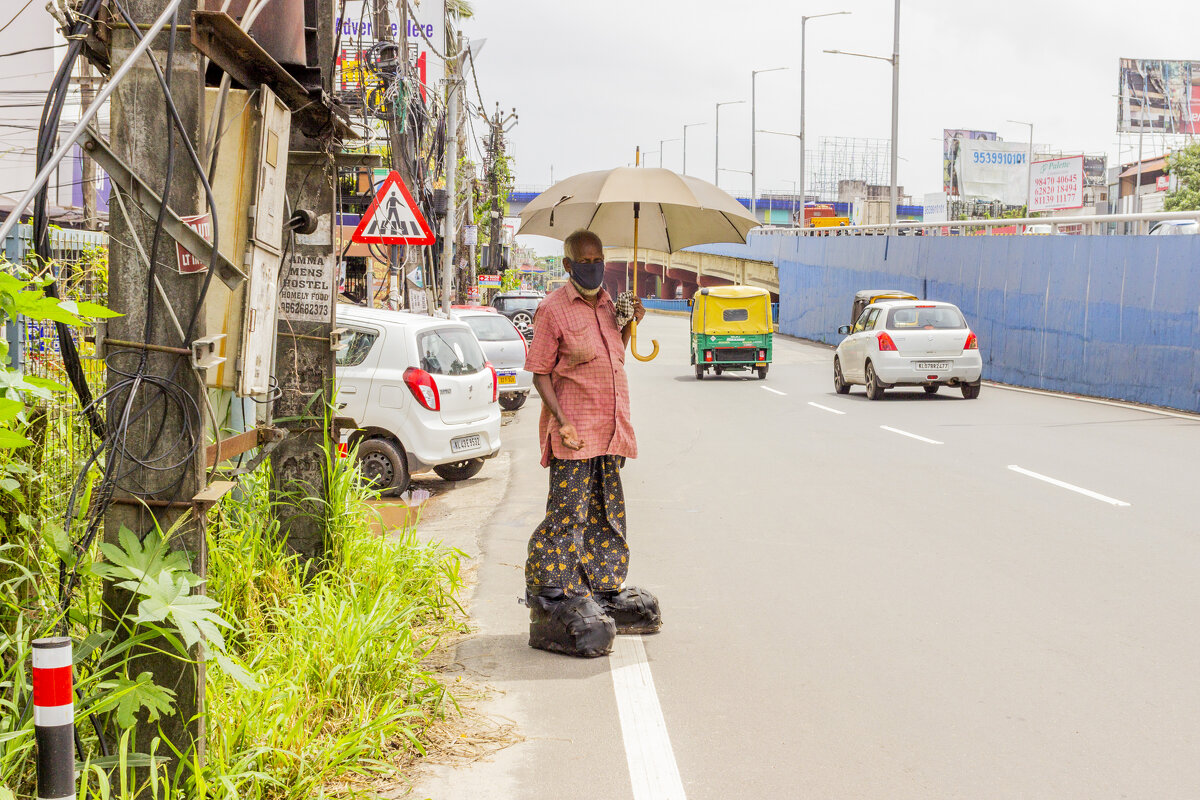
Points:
[[513, 400], [699, 372], [762, 373], [874, 387], [524, 322], [459, 470], [839, 380], [383, 466], [932, 389], [970, 390]]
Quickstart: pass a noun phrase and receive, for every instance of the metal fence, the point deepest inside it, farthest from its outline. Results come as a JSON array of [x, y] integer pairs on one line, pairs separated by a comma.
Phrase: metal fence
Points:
[[1095, 225], [79, 261]]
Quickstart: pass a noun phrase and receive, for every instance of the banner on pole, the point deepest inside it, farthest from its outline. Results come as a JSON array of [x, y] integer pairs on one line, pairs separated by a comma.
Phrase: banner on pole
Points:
[[1057, 184]]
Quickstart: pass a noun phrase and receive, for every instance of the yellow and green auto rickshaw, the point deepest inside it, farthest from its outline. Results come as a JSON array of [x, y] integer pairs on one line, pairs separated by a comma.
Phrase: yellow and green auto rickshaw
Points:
[[731, 330]]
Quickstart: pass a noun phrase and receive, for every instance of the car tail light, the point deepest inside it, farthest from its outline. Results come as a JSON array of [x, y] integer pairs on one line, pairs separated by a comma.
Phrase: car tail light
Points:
[[524, 343], [343, 449], [885, 342], [708, 355], [762, 355], [495, 382], [423, 387], [972, 342]]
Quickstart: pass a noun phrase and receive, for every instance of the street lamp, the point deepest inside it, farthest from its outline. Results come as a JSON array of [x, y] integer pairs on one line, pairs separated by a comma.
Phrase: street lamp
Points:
[[685, 127], [753, 138], [717, 153], [803, 95], [1029, 168], [794, 136], [661, 149], [895, 62]]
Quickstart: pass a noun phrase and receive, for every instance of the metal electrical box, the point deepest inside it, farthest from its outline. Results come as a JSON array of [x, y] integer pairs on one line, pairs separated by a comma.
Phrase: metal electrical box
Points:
[[248, 183]]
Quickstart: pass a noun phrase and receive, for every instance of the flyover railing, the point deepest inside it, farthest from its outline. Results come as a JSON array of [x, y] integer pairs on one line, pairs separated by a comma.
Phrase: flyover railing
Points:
[[1096, 224]]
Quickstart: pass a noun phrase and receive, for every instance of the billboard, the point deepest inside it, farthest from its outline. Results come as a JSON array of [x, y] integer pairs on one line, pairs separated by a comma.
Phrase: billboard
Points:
[[1095, 170], [1158, 96], [356, 71], [993, 170], [936, 209], [1057, 183], [952, 139]]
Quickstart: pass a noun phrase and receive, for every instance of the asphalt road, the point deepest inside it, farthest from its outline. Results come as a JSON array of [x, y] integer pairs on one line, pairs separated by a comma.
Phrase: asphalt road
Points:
[[852, 612]]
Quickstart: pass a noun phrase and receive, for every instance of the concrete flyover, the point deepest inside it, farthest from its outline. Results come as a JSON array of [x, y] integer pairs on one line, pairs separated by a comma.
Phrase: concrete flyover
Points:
[[661, 274]]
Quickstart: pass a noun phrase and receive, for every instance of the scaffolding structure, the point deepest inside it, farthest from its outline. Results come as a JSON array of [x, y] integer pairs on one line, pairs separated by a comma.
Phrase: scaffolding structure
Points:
[[842, 158]]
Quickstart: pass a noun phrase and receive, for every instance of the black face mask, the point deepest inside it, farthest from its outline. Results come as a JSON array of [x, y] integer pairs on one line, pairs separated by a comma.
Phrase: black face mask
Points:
[[588, 276]]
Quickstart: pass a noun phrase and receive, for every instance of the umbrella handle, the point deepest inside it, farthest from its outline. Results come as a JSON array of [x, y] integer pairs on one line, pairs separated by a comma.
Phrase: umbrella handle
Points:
[[633, 344]]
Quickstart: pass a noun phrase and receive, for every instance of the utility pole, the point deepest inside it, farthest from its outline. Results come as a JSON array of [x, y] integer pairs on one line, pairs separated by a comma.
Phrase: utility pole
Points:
[[155, 474], [87, 91], [448, 238], [303, 358]]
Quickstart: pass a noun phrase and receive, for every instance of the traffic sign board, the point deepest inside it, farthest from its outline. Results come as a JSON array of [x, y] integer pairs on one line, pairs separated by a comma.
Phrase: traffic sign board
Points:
[[393, 217]]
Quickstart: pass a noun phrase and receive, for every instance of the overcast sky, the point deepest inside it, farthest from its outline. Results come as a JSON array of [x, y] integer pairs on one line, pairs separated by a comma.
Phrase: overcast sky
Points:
[[591, 81]]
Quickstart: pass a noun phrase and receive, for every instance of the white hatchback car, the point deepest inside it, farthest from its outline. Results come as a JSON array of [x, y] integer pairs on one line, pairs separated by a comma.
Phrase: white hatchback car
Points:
[[908, 343], [505, 349], [421, 393]]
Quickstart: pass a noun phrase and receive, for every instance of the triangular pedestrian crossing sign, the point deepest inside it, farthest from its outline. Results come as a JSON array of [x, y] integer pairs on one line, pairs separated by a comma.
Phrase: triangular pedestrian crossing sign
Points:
[[393, 217]]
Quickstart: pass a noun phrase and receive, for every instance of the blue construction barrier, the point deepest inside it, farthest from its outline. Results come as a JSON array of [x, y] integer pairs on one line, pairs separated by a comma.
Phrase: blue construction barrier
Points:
[[1107, 316], [664, 305]]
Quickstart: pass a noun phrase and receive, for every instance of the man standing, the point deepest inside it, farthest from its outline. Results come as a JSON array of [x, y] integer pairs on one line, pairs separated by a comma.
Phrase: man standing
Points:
[[578, 557]]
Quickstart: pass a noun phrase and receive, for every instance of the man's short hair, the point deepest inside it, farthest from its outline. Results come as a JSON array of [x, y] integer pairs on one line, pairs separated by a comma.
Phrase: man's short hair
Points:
[[575, 242]]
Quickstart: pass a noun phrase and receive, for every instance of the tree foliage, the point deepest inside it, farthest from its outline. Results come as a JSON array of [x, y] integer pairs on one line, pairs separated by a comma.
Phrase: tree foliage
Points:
[[1185, 166]]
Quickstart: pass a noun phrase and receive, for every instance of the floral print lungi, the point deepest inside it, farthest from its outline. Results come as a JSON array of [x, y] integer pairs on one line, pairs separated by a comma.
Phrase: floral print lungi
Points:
[[580, 546]]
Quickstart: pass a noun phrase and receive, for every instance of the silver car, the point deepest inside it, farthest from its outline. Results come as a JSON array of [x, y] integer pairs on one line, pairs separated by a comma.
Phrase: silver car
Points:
[[908, 343], [506, 349]]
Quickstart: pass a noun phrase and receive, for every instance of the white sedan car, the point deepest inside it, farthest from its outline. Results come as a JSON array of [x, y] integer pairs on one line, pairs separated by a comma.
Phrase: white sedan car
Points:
[[505, 349], [421, 393], [908, 343]]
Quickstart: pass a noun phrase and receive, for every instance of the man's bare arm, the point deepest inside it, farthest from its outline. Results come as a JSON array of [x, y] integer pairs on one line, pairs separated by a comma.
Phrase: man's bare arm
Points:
[[545, 388]]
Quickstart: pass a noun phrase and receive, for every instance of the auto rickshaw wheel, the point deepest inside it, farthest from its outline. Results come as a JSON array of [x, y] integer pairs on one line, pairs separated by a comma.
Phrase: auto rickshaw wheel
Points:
[[717, 370], [762, 373], [699, 372]]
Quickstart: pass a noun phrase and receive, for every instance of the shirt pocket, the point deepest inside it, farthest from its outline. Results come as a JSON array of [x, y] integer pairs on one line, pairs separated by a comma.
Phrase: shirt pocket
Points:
[[579, 346]]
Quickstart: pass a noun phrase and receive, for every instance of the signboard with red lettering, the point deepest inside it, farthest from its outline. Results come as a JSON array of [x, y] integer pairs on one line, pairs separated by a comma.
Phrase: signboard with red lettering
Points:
[[1057, 183], [194, 262], [1162, 183]]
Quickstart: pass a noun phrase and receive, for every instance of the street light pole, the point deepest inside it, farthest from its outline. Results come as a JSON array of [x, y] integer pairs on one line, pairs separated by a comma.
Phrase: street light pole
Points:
[[685, 127], [895, 113], [717, 150], [661, 149], [754, 138], [1028, 168], [801, 138], [803, 95], [895, 62]]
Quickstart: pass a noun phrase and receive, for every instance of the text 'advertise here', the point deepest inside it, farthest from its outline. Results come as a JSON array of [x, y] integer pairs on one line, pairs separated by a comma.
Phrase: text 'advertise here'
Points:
[[393, 217]]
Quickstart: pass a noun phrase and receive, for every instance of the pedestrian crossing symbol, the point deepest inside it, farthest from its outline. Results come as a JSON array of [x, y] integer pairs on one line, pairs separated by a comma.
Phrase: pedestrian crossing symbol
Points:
[[393, 217]]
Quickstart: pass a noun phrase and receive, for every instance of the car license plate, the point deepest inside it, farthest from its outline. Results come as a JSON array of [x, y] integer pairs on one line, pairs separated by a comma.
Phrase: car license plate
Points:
[[933, 366], [508, 378], [465, 443]]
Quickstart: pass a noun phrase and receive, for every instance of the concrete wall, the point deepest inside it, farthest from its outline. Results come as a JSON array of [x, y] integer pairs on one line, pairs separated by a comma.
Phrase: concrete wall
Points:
[[1108, 316]]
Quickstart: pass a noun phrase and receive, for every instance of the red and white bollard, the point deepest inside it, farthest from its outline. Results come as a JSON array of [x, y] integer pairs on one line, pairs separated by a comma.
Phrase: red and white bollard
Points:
[[54, 718]]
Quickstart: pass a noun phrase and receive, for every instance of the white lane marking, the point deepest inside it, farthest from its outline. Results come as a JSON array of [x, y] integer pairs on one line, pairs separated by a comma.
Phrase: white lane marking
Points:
[[911, 435], [776, 391], [652, 767], [1069, 486], [825, 408]]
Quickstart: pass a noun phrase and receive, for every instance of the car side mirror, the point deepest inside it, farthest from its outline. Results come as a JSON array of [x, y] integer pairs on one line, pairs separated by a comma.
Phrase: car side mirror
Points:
[[845, 329], [690, 301]]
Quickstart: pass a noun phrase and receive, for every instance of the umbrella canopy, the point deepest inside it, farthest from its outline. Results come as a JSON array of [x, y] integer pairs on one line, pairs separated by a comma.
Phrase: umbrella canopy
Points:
[[676, 211]]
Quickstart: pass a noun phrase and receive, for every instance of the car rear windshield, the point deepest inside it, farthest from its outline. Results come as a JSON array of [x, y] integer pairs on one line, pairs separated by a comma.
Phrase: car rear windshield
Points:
[[449, 351], [519, 303], [735, 314], [925, 318], [492, 328]]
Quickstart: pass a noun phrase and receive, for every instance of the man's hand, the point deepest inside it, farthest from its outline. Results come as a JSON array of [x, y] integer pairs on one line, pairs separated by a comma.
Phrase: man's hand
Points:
[[639, 310], [570, 437]]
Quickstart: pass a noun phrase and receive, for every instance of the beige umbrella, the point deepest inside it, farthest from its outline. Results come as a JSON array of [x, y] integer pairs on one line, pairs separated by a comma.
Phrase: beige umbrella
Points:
[[669, 210]]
